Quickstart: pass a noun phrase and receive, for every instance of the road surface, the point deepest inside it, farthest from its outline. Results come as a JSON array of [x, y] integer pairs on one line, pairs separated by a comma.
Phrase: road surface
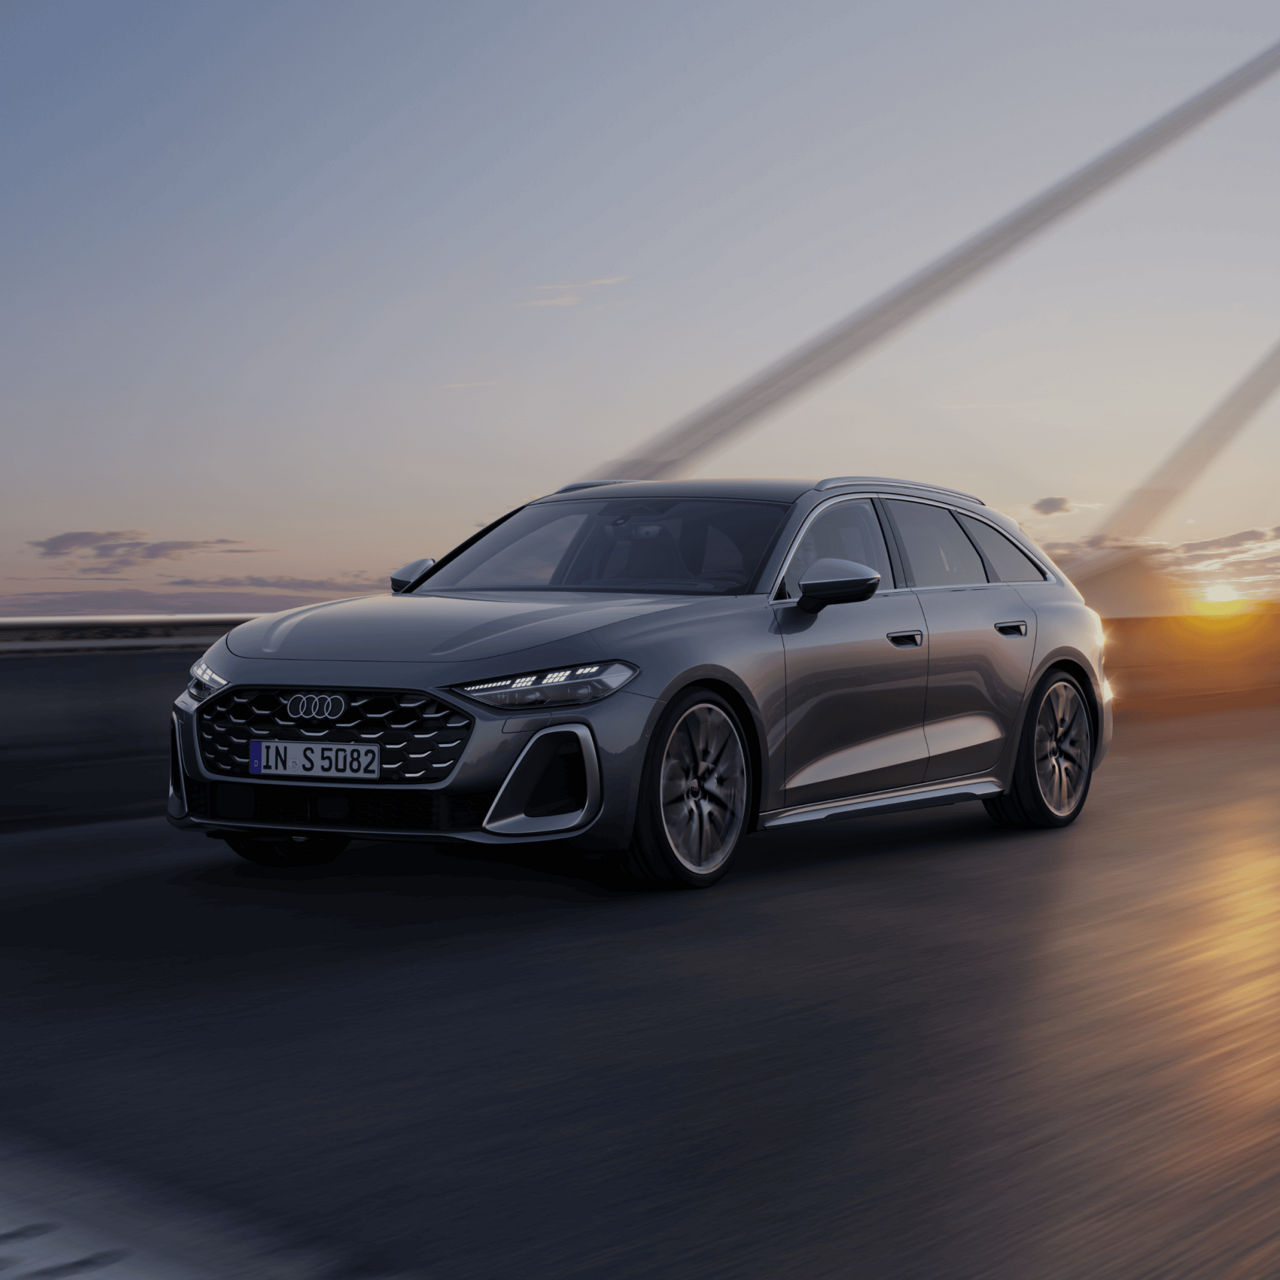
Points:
[[905, 1046]]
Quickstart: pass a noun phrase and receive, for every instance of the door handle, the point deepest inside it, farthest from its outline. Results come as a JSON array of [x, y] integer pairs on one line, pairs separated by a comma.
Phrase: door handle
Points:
[[906, 639], [1018, 628]]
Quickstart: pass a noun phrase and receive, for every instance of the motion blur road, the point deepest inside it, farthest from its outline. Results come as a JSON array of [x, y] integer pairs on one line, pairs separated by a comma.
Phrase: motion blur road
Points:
[[907, 1046]]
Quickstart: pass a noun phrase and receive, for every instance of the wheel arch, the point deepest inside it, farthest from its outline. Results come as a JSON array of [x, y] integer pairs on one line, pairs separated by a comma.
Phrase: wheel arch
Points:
[[1075, 666], [748, 716]]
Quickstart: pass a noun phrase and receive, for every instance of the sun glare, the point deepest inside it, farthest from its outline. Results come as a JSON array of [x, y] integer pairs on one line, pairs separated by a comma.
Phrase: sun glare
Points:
[[1221, 599]]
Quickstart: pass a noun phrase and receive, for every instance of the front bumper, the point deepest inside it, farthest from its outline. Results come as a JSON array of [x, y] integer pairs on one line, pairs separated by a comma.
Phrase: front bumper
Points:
[[567, 775]]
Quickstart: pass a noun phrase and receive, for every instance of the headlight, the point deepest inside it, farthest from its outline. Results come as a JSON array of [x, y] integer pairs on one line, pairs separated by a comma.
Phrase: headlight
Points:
[[564, 687], [205, 681]]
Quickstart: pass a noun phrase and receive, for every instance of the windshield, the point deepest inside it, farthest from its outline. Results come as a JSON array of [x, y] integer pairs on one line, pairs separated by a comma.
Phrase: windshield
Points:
[[679, 545]]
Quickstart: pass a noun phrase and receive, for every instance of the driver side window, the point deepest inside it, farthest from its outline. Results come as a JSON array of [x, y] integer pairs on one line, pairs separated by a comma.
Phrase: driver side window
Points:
[[848, 530]]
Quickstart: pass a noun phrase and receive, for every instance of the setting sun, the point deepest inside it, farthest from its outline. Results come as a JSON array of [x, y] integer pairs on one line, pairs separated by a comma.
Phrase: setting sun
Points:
[[1221, 599]]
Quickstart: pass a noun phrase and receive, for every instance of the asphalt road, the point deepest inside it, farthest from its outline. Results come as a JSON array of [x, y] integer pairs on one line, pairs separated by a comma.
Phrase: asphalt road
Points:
[[908, 1046]]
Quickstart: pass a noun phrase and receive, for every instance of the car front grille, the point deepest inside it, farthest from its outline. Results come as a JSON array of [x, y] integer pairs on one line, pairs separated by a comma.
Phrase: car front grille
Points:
[[335, 808], [419, 738]]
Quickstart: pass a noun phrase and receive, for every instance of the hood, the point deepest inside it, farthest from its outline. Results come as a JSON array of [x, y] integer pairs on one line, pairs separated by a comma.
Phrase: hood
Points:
[[433, 628]]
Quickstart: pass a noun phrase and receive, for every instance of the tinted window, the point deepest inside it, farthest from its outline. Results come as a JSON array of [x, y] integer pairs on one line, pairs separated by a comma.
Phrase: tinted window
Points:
[[846, 531], [938, 553], [682, 545], [527, 557], [1010, 562]]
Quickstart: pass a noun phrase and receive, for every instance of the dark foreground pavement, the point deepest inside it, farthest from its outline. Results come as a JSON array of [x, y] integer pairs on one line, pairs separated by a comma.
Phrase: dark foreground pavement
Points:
[[908, 1046]]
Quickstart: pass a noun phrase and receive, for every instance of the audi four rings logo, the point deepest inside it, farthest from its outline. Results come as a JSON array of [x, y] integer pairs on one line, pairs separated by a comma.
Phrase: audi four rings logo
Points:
[[316, 706]]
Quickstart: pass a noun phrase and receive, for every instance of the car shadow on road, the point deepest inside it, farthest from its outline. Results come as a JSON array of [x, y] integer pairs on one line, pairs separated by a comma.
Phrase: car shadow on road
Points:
[[506, 881]]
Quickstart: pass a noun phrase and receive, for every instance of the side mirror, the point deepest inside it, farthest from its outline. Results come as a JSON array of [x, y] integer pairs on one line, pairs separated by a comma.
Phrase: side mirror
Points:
[[405, 576], [836, 582]]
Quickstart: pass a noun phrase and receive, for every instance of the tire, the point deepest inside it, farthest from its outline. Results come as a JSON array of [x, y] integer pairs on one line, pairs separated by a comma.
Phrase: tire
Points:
[[287, 850], [690, 816], [1054, 766]]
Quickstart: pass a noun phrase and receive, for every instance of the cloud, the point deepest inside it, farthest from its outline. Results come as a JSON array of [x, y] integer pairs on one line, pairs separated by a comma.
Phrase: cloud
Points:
[[1251, 555], [570, 295], [1227, 542], [63, 544], [1053, 506], [601, 282], [560, 300], [1249, 559], [114, 550]]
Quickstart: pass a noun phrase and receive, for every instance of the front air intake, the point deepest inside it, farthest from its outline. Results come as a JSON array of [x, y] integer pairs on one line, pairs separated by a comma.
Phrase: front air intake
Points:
[[553, 786], [382, 811]]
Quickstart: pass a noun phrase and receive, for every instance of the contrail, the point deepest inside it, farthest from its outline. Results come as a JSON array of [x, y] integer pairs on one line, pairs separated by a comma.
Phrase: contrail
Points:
[[1150, 500], [743, 404]]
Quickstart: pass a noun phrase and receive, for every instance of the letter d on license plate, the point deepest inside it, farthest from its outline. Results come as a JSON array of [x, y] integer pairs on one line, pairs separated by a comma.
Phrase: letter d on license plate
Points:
[[313, 760]]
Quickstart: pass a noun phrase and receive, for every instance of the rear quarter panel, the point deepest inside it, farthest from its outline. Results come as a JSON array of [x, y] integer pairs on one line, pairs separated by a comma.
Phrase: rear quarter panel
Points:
[[1069, 633]]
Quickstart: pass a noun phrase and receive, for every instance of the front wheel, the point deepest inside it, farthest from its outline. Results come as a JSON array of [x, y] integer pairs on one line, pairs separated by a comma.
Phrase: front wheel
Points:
[[1055, 759], [288, 850], [695, 795]]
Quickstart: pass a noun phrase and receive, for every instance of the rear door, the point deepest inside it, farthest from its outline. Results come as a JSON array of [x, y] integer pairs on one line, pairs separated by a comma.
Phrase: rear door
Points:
[[981, 639], [856, 673]]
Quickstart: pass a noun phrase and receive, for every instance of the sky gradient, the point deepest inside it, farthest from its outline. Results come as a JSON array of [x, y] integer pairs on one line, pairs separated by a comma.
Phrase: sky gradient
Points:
[[294, 292]]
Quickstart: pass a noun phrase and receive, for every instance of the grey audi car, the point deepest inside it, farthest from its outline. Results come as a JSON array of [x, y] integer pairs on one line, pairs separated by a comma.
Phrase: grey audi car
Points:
[[655, 670]]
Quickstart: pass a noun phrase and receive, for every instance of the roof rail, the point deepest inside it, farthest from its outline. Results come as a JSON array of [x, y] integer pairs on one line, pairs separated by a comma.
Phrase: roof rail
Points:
[[839, 482]]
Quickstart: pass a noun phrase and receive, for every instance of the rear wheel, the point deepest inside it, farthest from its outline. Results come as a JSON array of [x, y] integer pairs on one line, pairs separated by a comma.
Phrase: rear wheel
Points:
[[1055, 759], [288, 850], [695, 795]]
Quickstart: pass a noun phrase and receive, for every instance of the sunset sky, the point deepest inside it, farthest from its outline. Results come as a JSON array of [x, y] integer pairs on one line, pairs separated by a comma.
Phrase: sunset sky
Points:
[[293, 292]]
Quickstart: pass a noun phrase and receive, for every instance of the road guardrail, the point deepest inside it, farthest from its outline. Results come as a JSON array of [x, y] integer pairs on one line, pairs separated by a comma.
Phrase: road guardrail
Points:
[[105, 632]]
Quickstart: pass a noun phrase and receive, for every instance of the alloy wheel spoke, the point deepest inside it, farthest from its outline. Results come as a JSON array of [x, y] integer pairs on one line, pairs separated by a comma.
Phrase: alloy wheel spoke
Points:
[[714, 825], [715, 798], [1073, 719], [717, 752], [692, 752], [690, 825]]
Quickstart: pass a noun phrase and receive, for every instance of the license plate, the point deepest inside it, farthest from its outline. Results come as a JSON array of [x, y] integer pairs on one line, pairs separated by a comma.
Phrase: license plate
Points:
[[313, 760]]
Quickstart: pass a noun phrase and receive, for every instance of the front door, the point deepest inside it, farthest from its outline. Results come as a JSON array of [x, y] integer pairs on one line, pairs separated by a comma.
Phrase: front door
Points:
[[856, 673]]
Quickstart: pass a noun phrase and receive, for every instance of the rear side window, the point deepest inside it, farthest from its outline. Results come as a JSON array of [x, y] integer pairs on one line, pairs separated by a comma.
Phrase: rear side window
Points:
[[1009, 562], [938, 553]]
